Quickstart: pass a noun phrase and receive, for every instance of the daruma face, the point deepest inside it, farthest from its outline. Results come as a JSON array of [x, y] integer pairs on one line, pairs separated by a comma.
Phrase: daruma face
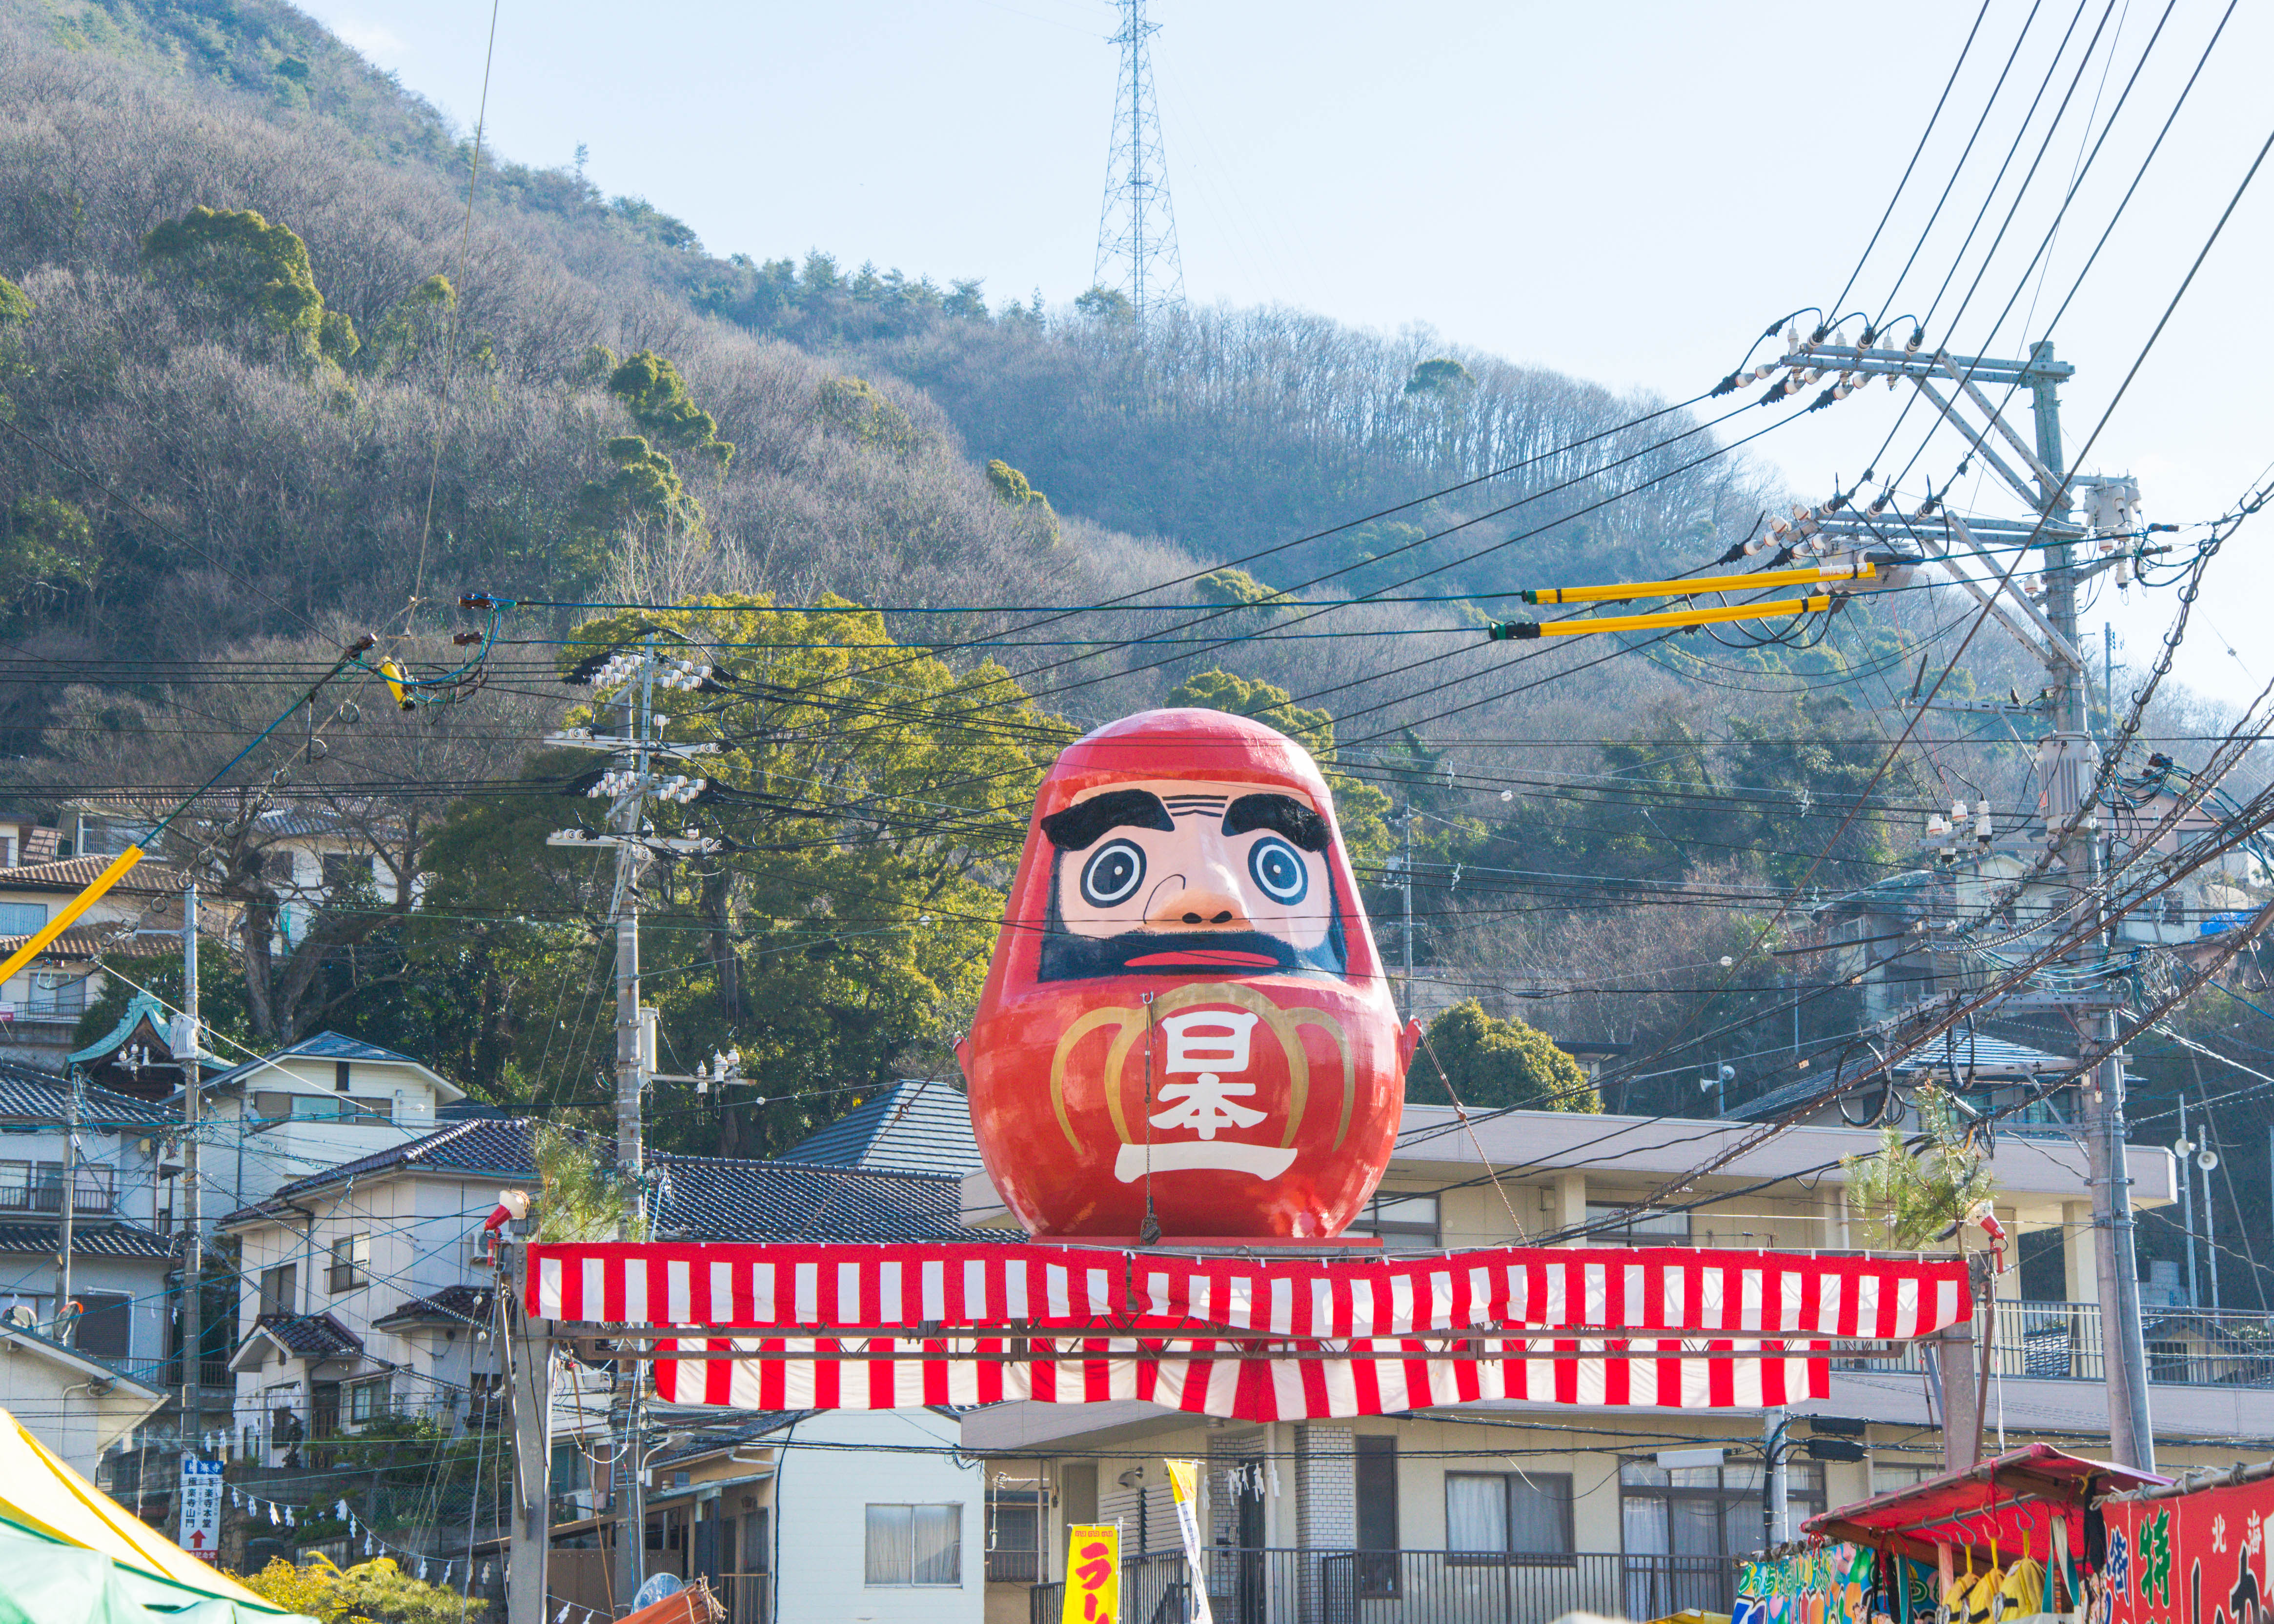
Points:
[[1184, 1006]]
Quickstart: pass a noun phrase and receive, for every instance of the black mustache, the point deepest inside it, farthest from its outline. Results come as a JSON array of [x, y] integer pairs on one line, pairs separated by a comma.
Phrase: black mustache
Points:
[[1068, 958]]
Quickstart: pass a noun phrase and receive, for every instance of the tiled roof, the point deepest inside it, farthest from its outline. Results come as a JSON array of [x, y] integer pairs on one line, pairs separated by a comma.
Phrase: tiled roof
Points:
[[321, 1046], [28, 1093], [709, 1439], [459, 1305], [64, 1350], [148, 877], [1978, 1058], [486, 1145], [913, 1126], [309, 1335], [712, 1199], [697, 1198], [107, 1238], [116, 940]]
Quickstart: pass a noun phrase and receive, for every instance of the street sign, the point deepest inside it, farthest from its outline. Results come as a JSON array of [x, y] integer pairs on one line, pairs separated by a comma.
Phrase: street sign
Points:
[[201, 1508]]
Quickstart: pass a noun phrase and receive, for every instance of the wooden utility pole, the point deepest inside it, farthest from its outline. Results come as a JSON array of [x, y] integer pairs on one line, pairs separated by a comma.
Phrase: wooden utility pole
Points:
[[188, 1040]]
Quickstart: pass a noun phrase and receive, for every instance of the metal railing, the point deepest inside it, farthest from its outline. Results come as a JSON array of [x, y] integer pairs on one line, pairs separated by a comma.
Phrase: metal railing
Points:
[[1272, 1586], [2060, 1341]]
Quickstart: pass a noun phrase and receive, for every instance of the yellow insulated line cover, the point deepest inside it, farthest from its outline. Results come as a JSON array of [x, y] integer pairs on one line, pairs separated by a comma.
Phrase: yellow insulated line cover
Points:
[[1672, 618]]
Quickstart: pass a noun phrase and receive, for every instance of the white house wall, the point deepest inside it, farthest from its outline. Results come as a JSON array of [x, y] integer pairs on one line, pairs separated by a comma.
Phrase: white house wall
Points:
[[822, 1498]]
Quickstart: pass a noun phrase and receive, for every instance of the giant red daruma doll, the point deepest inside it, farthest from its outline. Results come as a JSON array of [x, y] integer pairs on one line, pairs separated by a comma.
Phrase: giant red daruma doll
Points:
[[1185, 1013]]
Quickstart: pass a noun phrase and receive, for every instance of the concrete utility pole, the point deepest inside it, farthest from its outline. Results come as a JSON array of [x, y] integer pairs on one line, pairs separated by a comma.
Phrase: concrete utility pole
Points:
[[528, 1355], [1776, 1497], [1405, 884], [66, 1327], [1954, 385], [627, 782], [188, 1039]]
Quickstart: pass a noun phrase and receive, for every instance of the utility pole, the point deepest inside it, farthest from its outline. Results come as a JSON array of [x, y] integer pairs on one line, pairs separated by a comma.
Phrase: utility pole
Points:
[[1776, 1497], [1405, 884], [1136, 226], [527, 1352], [2033, 470], [626, 784], [2206, 1159], [65, 1326], [188, 1039], [2182, 1151]]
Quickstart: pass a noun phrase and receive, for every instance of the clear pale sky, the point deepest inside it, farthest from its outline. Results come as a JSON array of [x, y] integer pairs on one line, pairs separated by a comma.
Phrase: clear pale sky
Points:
[[1627, 192]]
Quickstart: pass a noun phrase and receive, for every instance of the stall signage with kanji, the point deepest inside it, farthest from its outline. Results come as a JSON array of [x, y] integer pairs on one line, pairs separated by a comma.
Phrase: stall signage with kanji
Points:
[[201, 1508]]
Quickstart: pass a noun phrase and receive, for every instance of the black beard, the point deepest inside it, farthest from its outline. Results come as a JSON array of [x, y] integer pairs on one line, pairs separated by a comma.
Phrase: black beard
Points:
[[1068, 958]]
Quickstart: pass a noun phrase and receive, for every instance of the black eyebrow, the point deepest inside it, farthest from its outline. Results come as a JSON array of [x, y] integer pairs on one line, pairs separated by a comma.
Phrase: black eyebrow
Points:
[[1082, 822], [1283, 814]]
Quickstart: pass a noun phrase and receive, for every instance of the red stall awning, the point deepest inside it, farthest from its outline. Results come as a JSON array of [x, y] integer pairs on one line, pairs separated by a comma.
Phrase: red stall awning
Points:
[[2008, 1498]]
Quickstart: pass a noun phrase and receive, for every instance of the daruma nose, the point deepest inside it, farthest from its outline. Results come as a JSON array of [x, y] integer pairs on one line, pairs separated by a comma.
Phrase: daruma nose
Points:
[[1204, 904]]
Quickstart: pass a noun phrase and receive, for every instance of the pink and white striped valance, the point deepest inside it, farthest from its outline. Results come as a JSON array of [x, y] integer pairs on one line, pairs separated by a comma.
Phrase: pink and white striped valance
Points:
[[936, 1290]]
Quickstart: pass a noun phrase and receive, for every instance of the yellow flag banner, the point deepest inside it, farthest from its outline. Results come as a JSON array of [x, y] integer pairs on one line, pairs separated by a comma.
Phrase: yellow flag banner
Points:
[[66, 916], [1093, 1586], [1183, 1485]]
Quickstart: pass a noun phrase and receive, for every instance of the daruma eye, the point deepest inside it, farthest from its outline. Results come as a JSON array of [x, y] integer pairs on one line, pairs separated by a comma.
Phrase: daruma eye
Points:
[[1112, 874], [1278, 869]]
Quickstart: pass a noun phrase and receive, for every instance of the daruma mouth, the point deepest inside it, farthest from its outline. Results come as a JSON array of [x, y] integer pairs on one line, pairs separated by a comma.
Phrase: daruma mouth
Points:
[[1204, 957]]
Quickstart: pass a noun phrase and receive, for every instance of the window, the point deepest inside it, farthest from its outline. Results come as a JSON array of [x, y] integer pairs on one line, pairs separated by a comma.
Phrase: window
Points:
[[1078, 1491], [367, 1401], [1404, 1222], [280, 1289], [56, 992], [351, 1262], [1015, 1534], [1518, 1514], [22, 919], [1646, 1228], [102, 1324], [15, 1186], [1704, 1511], [1377, 1516], [92, 1180], [914, 1544], [271, 1106]]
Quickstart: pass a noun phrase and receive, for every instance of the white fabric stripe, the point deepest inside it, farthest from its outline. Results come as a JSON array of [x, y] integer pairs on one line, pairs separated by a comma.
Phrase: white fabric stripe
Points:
[[1401, 1304], [888, 1295], [1710, 1284], [1676, 1311], [1282, 1308], [1519, 1294], [1907, 1307], [1480, 1311], [851, 1310], [1788, 1308], [1828, 1291], [548, 1284], [1199, 1292], [975, 1289], [1361, 1308], [1595, 1297], [934, 1285], [1322, 1309], [806, 1301], [1946, 1303], [1157, 1296], [1057, 1301], [722, 1293], [1441, 1300], [1750, 1309], [1637, 1294], [679, 1291], [1867, 1304], [635, 1304], [1101, 1292], [762, 1293], [1014, 1289], [1287, 1389], [1552, 1315], [595, 1303]]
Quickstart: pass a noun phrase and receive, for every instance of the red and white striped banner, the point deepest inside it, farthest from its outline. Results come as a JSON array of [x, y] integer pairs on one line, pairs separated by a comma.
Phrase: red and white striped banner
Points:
[[1305, 1382], [884, 1326], [943, 1289]]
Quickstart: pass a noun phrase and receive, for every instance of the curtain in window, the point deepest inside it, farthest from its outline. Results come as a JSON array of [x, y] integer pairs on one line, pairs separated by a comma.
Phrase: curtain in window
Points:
[[1537, 1518], [1476, 1512], [939, 1544], [890, 1552]]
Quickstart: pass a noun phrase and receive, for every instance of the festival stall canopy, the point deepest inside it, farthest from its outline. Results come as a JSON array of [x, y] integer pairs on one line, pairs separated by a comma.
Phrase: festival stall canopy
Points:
[[68, 1553], [2009, 1500], [1257, 1338]]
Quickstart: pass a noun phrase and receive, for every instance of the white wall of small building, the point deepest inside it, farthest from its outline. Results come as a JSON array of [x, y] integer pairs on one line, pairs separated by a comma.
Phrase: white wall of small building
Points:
[[259, 1154], [823, 1497], [52, 1396]]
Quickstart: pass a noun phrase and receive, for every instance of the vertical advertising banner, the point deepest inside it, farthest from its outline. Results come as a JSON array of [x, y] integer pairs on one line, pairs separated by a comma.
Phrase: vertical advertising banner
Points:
[[1184, 1483], [201, 1508], [2191, 1559], [1093, 1586]]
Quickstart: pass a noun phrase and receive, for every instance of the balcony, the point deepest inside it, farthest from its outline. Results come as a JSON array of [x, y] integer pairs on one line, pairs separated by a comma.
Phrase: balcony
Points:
[[2060, 1341], [1412, 1587]]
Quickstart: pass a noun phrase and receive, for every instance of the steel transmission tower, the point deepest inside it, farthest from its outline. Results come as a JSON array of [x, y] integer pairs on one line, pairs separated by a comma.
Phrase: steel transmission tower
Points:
[[1137, 227]]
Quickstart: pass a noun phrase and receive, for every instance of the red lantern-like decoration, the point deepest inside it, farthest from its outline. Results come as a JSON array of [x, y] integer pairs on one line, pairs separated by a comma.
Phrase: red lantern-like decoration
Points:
[[1186, 1019]]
